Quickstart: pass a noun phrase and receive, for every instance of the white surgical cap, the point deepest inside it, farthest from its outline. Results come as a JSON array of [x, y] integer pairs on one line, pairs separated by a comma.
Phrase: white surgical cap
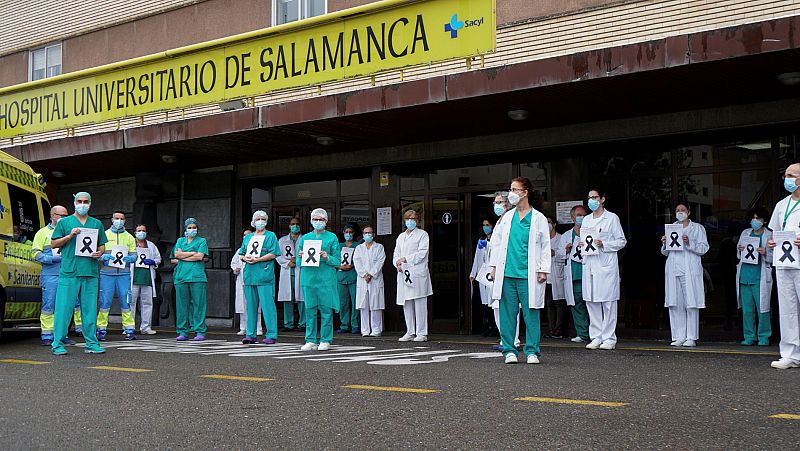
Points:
[[319, 212], [258, 214]]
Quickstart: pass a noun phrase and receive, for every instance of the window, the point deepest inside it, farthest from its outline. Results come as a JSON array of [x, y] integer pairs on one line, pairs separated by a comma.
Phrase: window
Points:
[[24, 214], [285, 11], [44, 62]]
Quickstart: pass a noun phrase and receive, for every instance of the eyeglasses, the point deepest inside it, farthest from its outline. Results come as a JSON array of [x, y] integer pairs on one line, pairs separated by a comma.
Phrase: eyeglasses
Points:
[[517, 190], [60, 215], [594, 197]]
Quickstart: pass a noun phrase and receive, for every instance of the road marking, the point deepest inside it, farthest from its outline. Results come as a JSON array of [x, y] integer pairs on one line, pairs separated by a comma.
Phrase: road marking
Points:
[[236, 378], [785, 416], [119, 368], [398, 389], [28, 362], [572, 401]]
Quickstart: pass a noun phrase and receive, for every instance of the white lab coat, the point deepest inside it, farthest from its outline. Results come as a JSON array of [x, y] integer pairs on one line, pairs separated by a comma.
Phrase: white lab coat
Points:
[[538, 256], [556, 276], [237, 263], [287, 246], [561, 250], [369, 261], [481, 258], [765, 262], [152, 254], [602, 270], [788, 279], [414, 248], [686, 263]]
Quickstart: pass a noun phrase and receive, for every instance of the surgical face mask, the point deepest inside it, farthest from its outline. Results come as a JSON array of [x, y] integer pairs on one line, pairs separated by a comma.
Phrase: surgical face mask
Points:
[[411, 224], [190, 233], [119, 224], [294, 228], [498, 209], [681, 215], [487, 229], [756, 224], [594, 204], [789, 184], [261, 224], [579, 219], [141, 235], [318, 225], [82, 209], [368, 237], [513, 198], [348, 237]]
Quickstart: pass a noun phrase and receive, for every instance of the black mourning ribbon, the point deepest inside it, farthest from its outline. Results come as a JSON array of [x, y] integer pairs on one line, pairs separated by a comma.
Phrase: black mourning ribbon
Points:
[[750, 250], [118, 258], [141, 258], [288, 250], [489, 277], [589, 241], [87, 244], [674, 237], [311, 253], [346, 258], [577, 253], [787, 252], [254, 248], [408, 276]]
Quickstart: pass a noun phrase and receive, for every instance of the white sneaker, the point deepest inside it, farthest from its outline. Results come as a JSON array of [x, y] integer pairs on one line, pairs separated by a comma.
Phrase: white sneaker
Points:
[[784, 364], [608, 346], [577, 340], [240, 333], [148, 332], [421, 338], [511, 358], [324, 346], [533, 359], [309, 347], [689, 344], [677, 342], [594, 344], [406, 337]]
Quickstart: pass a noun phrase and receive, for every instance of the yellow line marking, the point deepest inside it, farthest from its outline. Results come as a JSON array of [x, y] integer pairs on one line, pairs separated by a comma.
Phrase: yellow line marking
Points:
[[29, 362], [785, 416], [572, 401], [399, 389], [237, 378], [119, 368]]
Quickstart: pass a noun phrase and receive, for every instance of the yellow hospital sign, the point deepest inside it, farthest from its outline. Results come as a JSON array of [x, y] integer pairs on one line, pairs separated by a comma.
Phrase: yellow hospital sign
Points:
[[382, 36]]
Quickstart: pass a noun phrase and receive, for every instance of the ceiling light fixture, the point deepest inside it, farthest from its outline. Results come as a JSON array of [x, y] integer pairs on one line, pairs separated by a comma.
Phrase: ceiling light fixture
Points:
[[169, 159], [518, 115], [325, 140], [59, 174], [789, 78]]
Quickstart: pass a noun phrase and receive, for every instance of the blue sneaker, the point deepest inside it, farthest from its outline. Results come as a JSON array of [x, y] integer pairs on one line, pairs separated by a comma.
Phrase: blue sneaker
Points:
[[68, 341], [59, 351], [46, 341], [130, 336], [101, 335]]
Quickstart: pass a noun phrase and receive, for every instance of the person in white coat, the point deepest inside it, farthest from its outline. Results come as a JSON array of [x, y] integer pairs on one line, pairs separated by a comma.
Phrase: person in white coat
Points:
[[573, 275], [237, 265], [413, 277], [555, 299], [520, 263], [289, 292], [482, 258], [601, 273], [786, 217], [368, 259], [754, 281], [143, 279], [684, 294]]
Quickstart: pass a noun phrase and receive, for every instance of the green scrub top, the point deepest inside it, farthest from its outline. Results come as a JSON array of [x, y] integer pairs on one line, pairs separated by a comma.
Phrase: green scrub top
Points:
[[322, 278], [577, 268], [261, 273], [141, 276], [517, 256], [751, 274], [71, 265], [348, 277], [190, 271]]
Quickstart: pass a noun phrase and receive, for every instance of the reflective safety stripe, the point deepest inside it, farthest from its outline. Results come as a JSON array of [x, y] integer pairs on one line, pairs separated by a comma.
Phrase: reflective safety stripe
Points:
[[102, 319], [46, 323], [23, 310]]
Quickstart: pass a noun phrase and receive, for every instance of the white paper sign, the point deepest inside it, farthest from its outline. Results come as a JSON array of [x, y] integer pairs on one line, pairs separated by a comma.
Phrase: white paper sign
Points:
[[141, 255], [589, 237], [311, 249], [563, 211], [255, 245], [85, 242], [407, 273], [785, 254], [750, 251], [484, 276], [384, 221], [347, 255], [118, 253], [576, 253], [674, 237]]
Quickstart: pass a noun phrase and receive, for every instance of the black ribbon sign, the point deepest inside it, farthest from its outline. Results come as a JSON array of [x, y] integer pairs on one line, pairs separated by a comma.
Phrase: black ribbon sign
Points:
[[118, 259], [408, 276], [141, 258], [589, 245], [311, 253], [87, 245], [489, 277], [674, 237], [787, 251], [346, 258], [577, 253], [750, 254], [288, 250], [254, 248]]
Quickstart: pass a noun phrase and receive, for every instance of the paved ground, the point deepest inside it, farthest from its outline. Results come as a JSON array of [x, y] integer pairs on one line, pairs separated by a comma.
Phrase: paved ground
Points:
[[717, 396]]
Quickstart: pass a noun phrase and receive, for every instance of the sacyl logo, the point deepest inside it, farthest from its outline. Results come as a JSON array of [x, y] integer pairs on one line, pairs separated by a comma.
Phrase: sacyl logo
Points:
[[456, 25]]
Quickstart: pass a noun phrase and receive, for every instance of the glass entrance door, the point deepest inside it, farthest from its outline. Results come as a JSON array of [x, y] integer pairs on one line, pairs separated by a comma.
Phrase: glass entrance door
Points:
[[447, 264]]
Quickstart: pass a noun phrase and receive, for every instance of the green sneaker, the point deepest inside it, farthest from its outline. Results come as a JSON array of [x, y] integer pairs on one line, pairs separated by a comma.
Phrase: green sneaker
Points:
[[94, 350], [59, 351]]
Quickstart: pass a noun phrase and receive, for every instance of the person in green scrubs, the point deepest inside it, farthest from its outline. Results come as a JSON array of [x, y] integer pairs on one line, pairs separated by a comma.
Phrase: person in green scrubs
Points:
[[259, 279], [347, 277], [755, 304], [319, 283], [79, 275], [189, 278]]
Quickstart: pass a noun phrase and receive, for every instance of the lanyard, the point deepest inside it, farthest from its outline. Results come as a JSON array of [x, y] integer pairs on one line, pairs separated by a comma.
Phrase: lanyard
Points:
[[789, 211]]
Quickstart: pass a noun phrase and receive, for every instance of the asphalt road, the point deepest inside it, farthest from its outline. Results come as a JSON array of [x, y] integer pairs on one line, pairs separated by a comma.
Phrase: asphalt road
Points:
[[716, 396]]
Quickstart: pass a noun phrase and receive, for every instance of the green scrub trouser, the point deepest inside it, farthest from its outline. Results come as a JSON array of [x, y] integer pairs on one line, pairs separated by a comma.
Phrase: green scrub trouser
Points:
[[580, 315], [325, 327], [515, 292], [751, 306], [85, 290], [193, 293], [264, 295], [348, 313]]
